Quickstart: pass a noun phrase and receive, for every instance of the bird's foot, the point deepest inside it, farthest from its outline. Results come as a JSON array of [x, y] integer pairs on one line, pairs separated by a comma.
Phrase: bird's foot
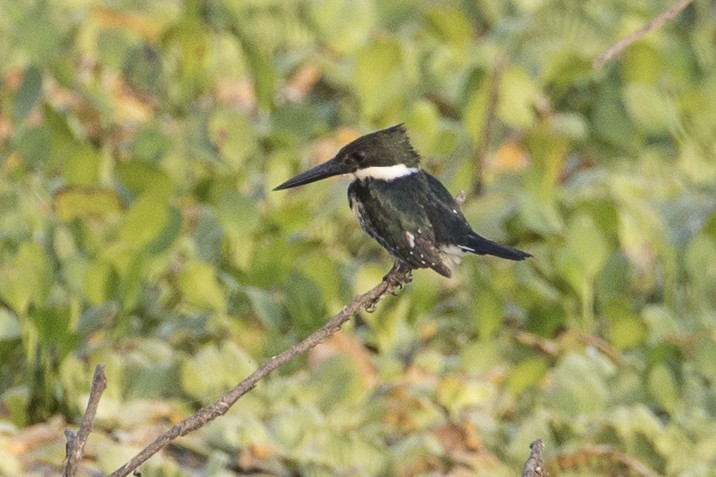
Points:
[[398, 276]]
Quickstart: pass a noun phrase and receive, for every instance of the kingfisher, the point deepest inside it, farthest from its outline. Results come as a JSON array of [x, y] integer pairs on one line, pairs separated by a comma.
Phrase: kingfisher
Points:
[[406, 210]]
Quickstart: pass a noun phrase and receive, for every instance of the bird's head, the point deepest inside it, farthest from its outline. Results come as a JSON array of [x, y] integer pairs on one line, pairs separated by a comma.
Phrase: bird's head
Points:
[[385, 154]]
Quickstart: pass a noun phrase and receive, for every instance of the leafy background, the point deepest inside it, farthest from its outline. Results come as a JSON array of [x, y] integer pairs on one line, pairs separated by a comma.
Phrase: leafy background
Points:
[[139, 142]]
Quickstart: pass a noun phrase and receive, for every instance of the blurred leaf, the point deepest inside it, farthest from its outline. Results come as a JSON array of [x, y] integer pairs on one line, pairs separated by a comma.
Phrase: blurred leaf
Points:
[[642, 64], [150, 145], [488, 313], [340, 382], [37, 33], [34, 145], [265, 307], [345, 26], [577, 386], [264, 73], [526, 374], [143, 69], [214, 370], [449, 25], [26, 278], [27, 95], [610, 119], [625, 330], [81, 165], [85, 202], [200, 286], [581, 258], [653, 110], [54, 327], [144, 221], [304, 302], [9, 326], [232, 134], [378, 80], [663, 386], [145, 178], [101, 282], [169, 234], [518, 96]]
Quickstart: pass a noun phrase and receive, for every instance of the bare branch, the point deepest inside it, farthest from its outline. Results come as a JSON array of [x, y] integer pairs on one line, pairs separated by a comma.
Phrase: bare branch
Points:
[[655, 23], [534, 467], [76, 442], [397, 277]]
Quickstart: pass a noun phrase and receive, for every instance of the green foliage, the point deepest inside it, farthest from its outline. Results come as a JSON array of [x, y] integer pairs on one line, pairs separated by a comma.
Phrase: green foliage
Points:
[[139, 143]]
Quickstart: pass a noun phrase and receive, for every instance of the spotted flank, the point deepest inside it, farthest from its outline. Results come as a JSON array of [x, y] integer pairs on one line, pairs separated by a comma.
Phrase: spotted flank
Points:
[[411, 239]]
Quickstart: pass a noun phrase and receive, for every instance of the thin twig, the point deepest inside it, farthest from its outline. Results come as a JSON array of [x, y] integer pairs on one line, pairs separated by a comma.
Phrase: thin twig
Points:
[[653, 24], [396, 278], [488, 127], [76, 442], [534, 467]]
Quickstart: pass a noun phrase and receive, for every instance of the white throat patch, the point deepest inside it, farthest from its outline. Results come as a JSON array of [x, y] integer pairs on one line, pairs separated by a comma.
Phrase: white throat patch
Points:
[[386, 173]]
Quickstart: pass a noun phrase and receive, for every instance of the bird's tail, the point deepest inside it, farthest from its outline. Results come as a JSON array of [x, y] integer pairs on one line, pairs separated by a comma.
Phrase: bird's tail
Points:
[[482, 246]]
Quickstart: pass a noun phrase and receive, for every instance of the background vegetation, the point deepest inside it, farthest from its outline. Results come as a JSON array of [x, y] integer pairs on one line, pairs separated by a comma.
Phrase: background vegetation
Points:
[[139, 145]]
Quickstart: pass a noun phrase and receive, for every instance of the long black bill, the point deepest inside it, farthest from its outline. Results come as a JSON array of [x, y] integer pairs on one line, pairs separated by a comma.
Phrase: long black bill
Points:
[[327, 169]]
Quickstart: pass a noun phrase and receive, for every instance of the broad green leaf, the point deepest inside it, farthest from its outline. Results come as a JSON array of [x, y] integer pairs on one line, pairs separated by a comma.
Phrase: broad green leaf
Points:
[[101, 282], [458, 393], [265, 306], [27, 95], [344, 25], [16, 400], [214, 370], [55, 330], [654, 110], [625, 330], [642, 63], [142, 68], [578, 386], [263, 71], [169, 234], [9, 325], [341, 383], [86, 202], [200, 286], [37, 33], [663, 386], [34, 145], [233, 135], [150, 144], [487, 313], [583, 255], [237, 214], [304, 302], [378, 78], [144, 222], [518, 95], [145, 178], [26, 278], [610, 120], [82, 166], [526, 374], [449, 25]]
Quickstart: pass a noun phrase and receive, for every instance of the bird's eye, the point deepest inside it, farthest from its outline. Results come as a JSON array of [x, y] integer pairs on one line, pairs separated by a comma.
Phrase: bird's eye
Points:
[[359, 156]]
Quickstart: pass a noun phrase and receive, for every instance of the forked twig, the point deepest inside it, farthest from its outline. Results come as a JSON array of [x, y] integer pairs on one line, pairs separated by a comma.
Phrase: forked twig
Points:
[[75, 446]]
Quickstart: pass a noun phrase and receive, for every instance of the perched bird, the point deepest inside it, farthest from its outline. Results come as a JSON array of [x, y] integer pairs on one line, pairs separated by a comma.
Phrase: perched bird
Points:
[[408, 211]]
